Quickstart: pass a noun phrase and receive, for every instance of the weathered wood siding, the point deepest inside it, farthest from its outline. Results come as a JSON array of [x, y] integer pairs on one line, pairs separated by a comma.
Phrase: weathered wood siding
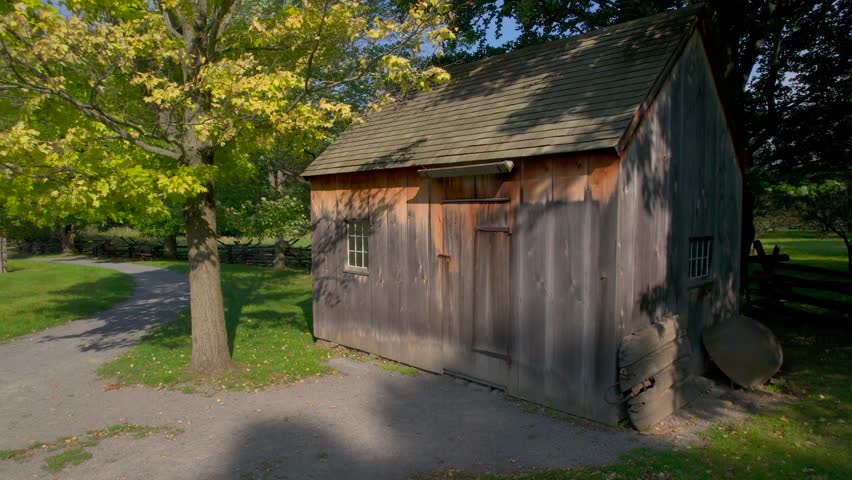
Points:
[[415, 307], [679, 179], [390, 310], [598, 249], [564, 253]]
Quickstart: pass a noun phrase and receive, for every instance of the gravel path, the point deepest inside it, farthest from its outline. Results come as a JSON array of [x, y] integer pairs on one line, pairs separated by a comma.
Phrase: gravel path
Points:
[[364, 422]]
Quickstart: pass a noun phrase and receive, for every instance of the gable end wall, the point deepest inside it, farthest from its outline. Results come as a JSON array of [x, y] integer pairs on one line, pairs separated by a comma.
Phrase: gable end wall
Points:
[[679, 179]]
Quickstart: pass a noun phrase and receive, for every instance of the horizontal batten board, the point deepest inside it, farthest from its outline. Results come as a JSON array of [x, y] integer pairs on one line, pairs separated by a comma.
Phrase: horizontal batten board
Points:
[[478, 200], [466, 170]]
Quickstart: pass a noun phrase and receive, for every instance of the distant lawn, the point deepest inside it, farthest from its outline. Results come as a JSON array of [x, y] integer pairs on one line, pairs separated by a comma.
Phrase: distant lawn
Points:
[[808, 248], [38, 295], [269, 318]]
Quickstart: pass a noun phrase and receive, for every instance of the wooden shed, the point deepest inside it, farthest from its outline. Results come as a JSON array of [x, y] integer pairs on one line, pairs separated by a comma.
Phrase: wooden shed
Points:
[[514, 224]]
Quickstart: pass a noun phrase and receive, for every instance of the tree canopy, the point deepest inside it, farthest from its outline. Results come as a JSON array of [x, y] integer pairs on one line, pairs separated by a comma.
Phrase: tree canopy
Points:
[[783, 67], [123, 108]]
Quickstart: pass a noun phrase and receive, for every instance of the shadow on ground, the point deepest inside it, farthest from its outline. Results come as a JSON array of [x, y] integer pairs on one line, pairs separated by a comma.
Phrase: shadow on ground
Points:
[[159, 296], [382, 425]]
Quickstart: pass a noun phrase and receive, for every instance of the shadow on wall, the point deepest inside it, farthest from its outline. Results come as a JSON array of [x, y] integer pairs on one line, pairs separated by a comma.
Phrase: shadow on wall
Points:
[[352, 196], [680, 177], [672, 182]]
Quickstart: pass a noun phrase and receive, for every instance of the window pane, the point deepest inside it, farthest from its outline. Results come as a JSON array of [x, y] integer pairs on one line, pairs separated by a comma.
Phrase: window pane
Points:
[[357, 233], [698, 263]]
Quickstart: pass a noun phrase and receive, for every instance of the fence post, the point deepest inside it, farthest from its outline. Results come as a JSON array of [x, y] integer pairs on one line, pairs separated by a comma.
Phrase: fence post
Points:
[[3, 254]]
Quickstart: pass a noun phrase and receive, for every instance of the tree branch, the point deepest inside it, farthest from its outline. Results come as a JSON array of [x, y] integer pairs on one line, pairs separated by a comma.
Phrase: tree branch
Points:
[[226, 15]]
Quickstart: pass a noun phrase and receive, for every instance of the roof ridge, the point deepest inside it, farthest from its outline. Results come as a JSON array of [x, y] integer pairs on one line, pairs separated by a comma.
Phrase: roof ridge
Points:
[[532, 101], [671, 14]]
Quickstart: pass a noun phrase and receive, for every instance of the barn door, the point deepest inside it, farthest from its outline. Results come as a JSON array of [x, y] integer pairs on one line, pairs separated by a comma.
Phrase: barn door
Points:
[[477, 326]]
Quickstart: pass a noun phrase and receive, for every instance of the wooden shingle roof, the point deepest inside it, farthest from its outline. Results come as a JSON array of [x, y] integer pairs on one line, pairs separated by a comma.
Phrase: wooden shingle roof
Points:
[[577, 94]]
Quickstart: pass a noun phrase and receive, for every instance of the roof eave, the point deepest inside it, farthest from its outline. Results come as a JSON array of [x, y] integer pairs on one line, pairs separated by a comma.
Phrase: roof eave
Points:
[[643, 108]]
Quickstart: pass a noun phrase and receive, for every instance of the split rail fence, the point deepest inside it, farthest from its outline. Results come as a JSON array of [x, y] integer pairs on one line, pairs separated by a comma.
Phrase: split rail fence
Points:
[[245, 254]]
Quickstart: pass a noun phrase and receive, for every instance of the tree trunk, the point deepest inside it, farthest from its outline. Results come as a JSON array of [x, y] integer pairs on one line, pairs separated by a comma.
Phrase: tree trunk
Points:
[[210, 353], [848, 255], [747, 234], [280, 260], [3, 255], [67, 235], [170, 247]]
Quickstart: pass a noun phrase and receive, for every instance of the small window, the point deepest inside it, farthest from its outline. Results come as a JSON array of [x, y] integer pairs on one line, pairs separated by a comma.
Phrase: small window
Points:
[[358, 233], [700, 249]]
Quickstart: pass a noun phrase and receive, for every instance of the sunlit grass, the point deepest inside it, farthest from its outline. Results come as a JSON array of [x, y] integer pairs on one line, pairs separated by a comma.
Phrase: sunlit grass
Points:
[[268, 315], [37, 295], [808, 248]]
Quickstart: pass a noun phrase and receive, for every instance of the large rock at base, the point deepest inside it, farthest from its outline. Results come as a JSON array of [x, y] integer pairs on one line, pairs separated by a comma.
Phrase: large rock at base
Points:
[[745, 350]]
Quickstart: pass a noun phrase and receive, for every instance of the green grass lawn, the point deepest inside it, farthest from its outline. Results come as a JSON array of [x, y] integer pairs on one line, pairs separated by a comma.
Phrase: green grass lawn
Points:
[[38, 295], [268, 316], [808, 248]]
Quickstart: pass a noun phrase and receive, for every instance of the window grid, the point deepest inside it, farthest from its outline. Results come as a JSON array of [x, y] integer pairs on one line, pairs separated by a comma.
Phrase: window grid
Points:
[[357, 232], [699, 257]]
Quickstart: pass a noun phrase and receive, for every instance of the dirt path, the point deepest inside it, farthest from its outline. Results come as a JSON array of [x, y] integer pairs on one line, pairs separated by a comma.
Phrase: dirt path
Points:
[[363, 423]]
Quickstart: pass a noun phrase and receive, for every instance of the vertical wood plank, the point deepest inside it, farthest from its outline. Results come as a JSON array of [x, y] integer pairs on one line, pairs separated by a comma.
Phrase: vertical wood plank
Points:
[[533, 281], [322, 285], [395, 324], [346, 325], [438, 268], [379, 262], [603, 180], [567, 335], [423, 339]]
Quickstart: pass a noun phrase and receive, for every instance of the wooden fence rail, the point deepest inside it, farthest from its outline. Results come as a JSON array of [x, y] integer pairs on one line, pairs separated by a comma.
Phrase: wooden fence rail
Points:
[[778, 284], [255, 255]]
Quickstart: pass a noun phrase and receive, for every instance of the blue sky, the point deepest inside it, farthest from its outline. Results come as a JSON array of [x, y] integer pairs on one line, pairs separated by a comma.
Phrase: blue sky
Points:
[[509, 32]]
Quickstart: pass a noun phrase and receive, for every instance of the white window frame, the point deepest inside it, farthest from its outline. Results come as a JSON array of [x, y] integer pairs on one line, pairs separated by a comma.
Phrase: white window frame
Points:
[[358, 245], [700, 258]]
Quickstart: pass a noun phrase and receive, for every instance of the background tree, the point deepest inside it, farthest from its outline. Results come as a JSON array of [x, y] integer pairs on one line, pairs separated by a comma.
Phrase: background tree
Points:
[[783, 67], [167, 228], [272, 201], [183, 91], [826, 204]]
